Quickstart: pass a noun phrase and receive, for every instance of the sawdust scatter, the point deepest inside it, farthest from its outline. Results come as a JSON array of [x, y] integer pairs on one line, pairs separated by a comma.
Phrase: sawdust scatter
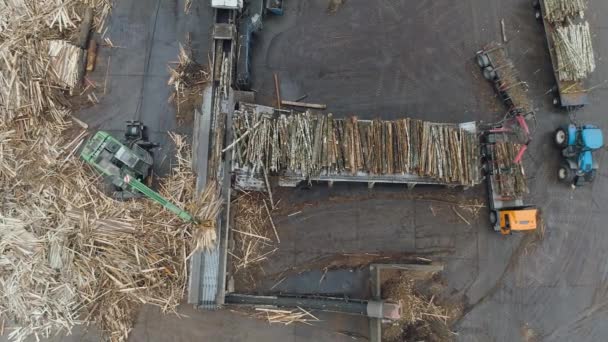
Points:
[[334, 6], [527, 334], [423, 318]]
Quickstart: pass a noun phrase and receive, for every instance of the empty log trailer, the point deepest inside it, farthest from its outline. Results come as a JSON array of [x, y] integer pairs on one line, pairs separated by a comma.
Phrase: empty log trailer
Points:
[[310, 147], [498, 68]]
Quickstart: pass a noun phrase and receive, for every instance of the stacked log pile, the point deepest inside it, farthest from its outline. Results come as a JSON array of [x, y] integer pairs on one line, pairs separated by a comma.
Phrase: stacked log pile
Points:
[[571, 38], [559, 10], [310, 144], [510, 177], [65, 61], [574, 51], [70, 254], [38, 64]]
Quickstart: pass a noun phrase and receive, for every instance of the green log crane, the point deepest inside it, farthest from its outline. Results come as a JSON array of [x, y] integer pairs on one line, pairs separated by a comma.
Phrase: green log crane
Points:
[[128, 165]]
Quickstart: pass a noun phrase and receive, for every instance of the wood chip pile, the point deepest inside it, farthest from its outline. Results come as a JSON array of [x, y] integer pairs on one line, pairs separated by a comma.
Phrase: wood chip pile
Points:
[[574, 51], [309, 144], [421, 319], [559, 10], [571, 38], [29, 34], [510, 177], [69, 254]]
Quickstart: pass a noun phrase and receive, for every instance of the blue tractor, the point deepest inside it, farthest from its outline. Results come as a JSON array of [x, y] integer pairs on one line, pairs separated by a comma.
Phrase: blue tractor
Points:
[[577, 144]]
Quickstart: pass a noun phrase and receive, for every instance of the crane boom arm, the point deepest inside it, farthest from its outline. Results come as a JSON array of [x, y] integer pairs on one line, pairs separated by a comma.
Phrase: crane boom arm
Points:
[[156, 197]]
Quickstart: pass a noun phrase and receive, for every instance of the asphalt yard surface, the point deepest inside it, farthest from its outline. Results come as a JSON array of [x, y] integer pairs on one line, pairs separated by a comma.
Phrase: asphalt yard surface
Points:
[[392, 59], [146, 36]]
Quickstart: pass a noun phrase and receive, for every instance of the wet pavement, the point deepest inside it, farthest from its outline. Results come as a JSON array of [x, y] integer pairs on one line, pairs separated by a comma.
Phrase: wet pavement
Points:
[[146, 36], [390, 59]]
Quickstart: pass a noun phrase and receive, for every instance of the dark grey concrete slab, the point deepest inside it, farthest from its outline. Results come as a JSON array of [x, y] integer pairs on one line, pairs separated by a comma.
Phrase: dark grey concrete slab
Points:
[[147, 35], [392, 58], [229, 326], [554, 290], [336, 283], [382, 58]]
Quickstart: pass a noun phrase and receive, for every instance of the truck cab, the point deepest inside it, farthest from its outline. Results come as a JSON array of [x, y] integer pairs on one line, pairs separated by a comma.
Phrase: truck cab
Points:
[[519, 219], [507, 213]]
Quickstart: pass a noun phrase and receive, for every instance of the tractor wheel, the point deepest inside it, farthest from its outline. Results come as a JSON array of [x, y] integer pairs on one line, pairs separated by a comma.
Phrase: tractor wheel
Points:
[[483, 60], [561, 137], [590, 176], [493, 217], [489, 73], [565, 174]]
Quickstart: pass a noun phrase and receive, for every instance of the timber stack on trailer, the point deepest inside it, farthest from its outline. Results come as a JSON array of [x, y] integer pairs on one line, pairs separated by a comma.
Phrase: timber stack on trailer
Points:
[[506, 184], [317, 147], [570, 48]]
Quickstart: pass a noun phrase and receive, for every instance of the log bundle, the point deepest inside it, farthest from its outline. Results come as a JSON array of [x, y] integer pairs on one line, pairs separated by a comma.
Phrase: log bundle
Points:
[[65, 61], [559, 10], [509, 176], [574, 51], [309, 144]]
